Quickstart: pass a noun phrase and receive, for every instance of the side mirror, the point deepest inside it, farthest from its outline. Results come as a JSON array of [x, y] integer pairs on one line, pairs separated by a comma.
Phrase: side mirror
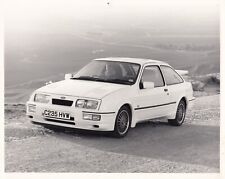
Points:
[[148, 85], [68, 76]]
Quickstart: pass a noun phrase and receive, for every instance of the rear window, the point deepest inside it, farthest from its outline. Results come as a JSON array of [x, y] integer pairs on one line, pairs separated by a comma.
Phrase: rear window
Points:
[[171, 76]]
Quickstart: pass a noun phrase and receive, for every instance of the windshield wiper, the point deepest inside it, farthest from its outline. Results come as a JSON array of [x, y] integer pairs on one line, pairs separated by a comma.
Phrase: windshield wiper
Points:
[[120, 81], [90, 78]]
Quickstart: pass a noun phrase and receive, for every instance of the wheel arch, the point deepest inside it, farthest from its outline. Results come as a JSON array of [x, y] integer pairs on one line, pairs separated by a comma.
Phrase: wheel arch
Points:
[[185, 101], [130, 111], [173, 115], [129, 107]]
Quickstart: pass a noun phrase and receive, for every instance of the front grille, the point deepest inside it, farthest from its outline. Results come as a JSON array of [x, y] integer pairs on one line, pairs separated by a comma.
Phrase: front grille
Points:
[[58, 121], [62, 102]]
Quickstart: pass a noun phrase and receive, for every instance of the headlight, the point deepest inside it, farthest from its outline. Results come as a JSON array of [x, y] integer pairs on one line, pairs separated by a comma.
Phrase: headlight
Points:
[[41, 98], [88, 104]]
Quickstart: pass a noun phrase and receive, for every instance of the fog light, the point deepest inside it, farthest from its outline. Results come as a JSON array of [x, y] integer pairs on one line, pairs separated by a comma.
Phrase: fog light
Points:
[[96, 117], [87, 116], [31, 108], [93, 117]]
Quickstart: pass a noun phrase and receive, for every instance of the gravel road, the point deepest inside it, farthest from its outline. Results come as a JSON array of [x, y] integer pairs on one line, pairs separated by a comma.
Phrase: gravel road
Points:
[[150, 147]]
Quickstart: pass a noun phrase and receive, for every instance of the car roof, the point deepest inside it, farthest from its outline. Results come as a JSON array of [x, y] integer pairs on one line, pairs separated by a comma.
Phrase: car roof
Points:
[[140, 61]]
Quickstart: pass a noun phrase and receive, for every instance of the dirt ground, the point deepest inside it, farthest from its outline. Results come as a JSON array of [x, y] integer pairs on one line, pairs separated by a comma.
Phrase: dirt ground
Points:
[[150, 147]]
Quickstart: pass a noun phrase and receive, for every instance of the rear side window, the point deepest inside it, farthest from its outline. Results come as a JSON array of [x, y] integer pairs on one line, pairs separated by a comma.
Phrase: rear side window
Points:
[[171, 76], [153, 74]]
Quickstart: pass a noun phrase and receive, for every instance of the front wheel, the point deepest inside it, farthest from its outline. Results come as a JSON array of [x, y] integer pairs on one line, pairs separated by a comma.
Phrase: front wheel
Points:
[[123, 122], [180, 114]]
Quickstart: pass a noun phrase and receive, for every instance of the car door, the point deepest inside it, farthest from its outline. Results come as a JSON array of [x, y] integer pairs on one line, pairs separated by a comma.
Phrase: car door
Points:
[[151, 103], [174, 84]]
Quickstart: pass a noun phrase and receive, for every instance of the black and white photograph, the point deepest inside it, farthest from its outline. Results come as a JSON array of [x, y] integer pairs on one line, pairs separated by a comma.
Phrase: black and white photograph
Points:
[[112, 86]]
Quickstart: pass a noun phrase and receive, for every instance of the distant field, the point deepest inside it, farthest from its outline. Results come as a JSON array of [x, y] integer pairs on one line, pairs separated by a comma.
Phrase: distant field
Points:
[[31, 59], [32, 56]]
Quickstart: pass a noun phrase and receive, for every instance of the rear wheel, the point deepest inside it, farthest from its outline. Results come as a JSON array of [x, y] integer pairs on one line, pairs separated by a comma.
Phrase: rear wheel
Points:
[[180, 114], [123, 122]]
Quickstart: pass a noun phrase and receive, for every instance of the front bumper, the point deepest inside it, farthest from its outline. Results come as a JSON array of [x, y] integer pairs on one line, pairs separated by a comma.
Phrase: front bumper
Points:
[[76, 117]]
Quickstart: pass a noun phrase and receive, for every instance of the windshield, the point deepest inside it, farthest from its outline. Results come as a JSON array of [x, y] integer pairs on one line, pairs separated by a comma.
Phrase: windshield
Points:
[[109, 71]]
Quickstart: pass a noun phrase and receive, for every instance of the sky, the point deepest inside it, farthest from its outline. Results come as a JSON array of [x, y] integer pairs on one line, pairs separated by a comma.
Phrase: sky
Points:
[[40, 32], [25, 14]]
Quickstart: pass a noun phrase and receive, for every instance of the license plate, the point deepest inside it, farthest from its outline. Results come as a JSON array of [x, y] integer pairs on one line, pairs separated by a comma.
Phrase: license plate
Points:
[[56, 114]]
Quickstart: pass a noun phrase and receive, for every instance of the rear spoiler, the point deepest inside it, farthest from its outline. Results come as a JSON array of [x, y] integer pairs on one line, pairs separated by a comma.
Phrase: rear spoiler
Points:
[[182, 72]]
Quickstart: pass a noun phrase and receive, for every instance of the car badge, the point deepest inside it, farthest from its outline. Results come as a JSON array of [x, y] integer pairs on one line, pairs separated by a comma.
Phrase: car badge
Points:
[[62, 97]]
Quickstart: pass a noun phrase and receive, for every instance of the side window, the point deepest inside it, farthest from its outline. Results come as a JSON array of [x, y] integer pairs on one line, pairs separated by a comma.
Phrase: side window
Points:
[[171, 77], [152, 74]]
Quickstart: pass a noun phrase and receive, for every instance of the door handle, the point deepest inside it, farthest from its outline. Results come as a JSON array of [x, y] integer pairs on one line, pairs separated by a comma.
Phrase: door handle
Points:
[[165, 89]]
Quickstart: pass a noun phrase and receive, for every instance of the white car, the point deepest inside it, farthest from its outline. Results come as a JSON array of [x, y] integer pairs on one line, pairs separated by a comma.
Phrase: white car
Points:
[[113, 94]]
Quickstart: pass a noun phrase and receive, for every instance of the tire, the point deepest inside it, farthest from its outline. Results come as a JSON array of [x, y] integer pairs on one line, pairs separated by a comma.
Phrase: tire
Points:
[[122, 122], [180, 115]]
